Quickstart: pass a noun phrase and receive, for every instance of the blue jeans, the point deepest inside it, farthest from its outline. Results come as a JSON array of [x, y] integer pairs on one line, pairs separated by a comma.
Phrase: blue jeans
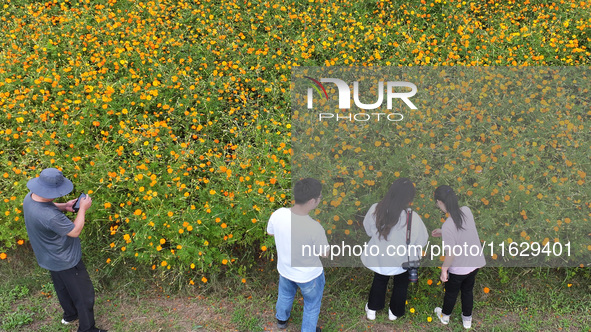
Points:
[[312, 293]]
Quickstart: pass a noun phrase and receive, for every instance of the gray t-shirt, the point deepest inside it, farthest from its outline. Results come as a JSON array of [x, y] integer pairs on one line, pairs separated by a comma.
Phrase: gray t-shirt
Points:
[[48, 227]]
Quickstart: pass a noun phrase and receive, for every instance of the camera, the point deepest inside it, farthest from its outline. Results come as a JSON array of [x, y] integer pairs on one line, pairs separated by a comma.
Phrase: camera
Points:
[[413, 270]]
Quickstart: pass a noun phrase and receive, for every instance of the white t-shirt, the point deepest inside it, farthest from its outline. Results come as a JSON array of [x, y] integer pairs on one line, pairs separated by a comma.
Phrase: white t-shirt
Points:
[[467, 240], [382, 256], [300, 240]]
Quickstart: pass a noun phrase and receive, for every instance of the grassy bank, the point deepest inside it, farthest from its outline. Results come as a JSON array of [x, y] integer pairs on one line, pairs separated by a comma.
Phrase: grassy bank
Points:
[[516, 299]]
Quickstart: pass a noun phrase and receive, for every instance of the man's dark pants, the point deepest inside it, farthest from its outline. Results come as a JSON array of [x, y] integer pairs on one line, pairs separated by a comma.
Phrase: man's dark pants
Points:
[[75, 292]]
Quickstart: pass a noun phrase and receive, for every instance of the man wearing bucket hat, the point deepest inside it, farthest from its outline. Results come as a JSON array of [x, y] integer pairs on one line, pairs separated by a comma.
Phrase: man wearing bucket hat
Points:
[[55, 241]]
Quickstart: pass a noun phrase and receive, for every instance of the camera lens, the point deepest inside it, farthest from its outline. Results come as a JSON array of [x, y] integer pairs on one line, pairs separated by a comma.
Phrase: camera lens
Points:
[[413, 275]]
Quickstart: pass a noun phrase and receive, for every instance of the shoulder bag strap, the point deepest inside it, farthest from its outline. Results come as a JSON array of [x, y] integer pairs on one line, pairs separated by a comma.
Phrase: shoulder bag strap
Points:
[[408, 225]]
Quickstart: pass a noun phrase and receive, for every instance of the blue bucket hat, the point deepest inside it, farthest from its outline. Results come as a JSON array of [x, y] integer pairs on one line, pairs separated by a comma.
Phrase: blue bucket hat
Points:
[[50, 184]]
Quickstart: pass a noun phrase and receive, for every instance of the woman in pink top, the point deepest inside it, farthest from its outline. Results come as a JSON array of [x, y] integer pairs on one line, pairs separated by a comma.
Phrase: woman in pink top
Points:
[[463, 255]]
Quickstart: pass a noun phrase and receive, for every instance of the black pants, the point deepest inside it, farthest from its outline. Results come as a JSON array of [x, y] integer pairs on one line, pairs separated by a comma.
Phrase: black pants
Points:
[[377, 294], [456, 283], [75, 293]]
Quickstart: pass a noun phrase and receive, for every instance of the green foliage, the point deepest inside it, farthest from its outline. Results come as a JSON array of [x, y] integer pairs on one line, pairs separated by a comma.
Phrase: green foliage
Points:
[[244, 321], [16, 319], [10, 320], [503, 275]]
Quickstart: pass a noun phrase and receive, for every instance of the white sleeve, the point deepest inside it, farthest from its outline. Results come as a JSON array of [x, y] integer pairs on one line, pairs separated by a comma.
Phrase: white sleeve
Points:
[[369, 222], [270, 228]]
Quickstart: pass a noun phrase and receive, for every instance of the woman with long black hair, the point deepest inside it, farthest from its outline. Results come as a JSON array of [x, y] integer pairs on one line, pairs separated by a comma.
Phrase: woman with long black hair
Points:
[[387, 250], [460, 266]]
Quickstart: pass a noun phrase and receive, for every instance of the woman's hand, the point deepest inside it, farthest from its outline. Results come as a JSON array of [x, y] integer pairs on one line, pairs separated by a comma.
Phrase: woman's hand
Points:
[[436, 232], [444, 275]]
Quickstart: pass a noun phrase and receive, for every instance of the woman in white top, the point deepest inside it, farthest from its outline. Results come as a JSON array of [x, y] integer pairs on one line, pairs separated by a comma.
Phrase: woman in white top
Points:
[[387, 250], [463, 257]]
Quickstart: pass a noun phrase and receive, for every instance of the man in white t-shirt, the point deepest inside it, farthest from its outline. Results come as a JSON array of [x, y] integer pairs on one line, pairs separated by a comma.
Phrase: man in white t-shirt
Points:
[[300, 240]]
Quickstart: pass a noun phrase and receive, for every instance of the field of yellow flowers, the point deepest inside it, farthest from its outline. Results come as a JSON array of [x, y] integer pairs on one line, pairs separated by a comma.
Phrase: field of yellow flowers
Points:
[[175, 115]]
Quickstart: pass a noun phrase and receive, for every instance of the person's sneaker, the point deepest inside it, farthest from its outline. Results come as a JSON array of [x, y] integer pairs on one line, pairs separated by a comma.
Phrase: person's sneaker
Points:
[[68, 322], [443, 318], [391, 316], [467, 320], [318, 329], [371, 314], [281, 324]]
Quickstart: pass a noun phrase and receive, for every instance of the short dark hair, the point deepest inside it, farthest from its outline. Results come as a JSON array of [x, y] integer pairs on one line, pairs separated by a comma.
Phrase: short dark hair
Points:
[[306, 189]]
